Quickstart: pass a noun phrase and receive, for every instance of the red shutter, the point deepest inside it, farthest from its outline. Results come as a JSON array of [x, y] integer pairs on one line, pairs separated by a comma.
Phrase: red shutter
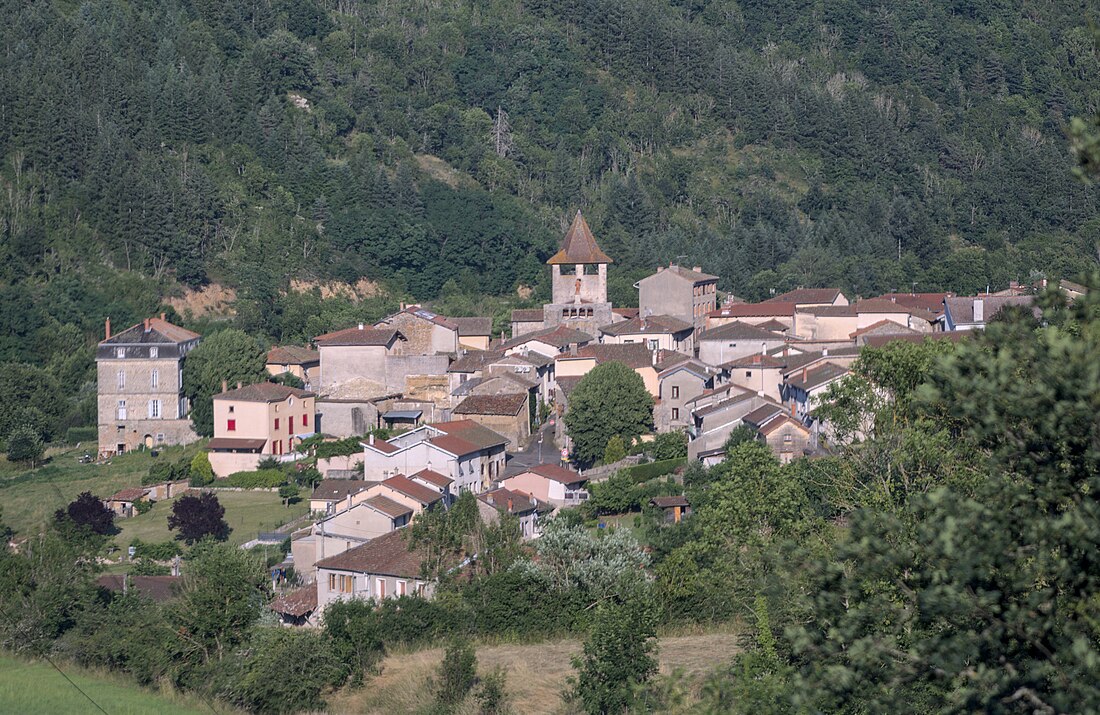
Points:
[[305, 420], [290, 424], [231, 425], [276, 424]]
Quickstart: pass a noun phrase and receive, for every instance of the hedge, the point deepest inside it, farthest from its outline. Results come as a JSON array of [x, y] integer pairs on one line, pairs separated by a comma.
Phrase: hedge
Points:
[[260, 479], [75, 435], [339, 448], [158, 551], [644, 472]]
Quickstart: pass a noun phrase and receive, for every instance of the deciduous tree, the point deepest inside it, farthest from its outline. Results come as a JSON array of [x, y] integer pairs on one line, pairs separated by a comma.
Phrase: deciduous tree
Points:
[[609, 401]]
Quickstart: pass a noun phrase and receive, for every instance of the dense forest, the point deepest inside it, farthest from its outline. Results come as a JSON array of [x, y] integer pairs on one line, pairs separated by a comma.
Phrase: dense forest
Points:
[[437, 149]]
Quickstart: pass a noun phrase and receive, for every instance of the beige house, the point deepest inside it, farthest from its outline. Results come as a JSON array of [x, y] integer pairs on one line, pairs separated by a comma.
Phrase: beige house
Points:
[[688, 295], [256, 421], [549, 483], [840, 322], [804, 297], [656, 332], [679, 385], [716, 415], [302, 363], [787, 437], [382, 568], [523, 507], [722, 344], [139, 376], [356, 353], [638, 358], [803, 389], [763, 315], [548, 342], [473, 333], [404, 491], [331, 494], [470, 455], [346, 528], [762, 374]]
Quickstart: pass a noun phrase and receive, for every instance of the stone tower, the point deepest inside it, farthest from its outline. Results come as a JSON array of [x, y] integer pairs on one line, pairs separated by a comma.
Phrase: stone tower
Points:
[[579, 272]]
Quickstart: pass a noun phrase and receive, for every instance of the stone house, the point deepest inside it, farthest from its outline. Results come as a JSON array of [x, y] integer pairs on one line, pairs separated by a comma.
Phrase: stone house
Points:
[[258, 420], [638, 358], [680, 384], [973, 312], [656, 332], [549, 483], [722, 344], [359, 352], [762, 374], [548, 342], [753, 314], [787, 437], [426, 333], [302, 363], [473, 333], [522, 506], [140, 400], [122, 502], [688, 295], [510, 415], [526, 320], [382, 568]]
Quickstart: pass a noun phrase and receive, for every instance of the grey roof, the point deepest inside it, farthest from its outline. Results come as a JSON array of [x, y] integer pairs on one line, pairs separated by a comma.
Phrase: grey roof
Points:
[[336, 489], [403, 415], [473, 326], [152, 331], [962, 308], [651, 324], [528, 315], [818, 376], [474, 360], [559, 337], [687, 273], [739, 331]]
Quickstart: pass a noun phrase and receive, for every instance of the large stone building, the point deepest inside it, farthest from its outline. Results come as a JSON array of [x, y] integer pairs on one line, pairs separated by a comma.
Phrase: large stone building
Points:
[[140, 378], [579, 282], [687, 294]]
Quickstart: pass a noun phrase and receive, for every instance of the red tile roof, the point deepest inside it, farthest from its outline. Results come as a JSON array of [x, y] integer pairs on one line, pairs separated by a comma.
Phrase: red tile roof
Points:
[[235, 443], [557, 473], [579, 246], [754, 310], [160, 331], [419, 492], [454, 445], [432, 477], [472, 432], [131, 494], [473, 326], [297, 603], [387, 555], [335, 489], [651, 324], [633, 355], [739, 331], [292, 355], [806, 295], [528, 315], [508, 500], [387, 506]]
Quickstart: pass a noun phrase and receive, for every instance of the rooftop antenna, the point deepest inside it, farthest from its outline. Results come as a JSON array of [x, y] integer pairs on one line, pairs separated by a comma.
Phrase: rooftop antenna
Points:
[[678, 258]]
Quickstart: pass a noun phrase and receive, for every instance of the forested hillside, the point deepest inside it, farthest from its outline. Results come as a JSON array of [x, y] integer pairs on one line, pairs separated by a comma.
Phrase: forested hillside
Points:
[[247, 142]]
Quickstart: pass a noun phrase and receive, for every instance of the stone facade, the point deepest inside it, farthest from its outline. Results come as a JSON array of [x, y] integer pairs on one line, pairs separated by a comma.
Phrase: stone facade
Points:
[[689, 295], [426, 332], [140, 394]]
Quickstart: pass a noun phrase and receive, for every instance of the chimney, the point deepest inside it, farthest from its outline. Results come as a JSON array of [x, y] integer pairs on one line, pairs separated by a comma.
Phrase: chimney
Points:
[[697, 269], [825, 352], [162, 316], [370, 439], [509, 505], [805, 371], [360, 326], [107, 328], [225, 386], [146, 323], [402, 304], [792, 409], [573, 349], [979, 310], [660, 268], [239, 384]]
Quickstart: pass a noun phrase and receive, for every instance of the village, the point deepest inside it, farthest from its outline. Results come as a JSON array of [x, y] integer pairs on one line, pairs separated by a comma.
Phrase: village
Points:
[[437, 406]]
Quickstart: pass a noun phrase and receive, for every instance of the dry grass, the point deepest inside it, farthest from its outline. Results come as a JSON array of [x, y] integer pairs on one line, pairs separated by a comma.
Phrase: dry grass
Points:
[[536, 673]]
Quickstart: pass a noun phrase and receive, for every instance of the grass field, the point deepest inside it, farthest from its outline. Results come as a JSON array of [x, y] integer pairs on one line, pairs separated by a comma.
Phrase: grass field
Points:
[[246, 512], [30, 688], [536, 674], [30, 497]]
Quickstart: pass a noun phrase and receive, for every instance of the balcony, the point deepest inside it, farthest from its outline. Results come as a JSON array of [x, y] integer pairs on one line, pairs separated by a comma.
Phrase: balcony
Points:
[[573, 498]]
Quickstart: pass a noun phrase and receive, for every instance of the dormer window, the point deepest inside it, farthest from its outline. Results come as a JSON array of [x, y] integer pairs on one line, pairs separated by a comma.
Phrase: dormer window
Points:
[[120, 353], [154, 353]]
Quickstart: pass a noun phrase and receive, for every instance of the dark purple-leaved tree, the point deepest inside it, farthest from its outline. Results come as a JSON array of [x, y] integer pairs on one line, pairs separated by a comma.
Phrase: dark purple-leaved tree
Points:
[[196, 517], [88, 511]]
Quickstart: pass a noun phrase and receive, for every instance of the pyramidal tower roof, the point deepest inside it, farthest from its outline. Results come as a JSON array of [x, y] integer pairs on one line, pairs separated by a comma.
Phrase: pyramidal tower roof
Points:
[[579, 246]]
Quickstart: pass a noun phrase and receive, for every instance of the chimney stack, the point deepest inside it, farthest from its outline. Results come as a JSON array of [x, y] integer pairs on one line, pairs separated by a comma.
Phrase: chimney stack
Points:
[[573, 349], [979, 310], [107, 328], [225, 386], [660, 268], [697, 269], [360, 326], [402, 304], [509, 505], [239, 384], [162, 316], [370, 438], [825, 352], [146, 324], [805, 371]]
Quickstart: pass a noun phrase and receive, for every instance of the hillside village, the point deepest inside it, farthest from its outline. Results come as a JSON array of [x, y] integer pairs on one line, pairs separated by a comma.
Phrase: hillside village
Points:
[[436, 406]]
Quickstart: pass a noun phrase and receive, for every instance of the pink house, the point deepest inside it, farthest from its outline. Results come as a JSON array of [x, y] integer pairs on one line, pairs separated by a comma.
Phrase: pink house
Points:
[[549, 483]]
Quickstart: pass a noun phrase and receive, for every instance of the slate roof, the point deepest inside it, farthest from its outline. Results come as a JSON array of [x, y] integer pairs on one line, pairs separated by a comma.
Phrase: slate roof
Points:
[[389, 507], [806, 295], [131, 494], [932, 302], [422, 313], [756, 360], [292, 355], [503, 405], [733, 399], [296, 603], [738, 331], [568, 383], [263, 392], [688, 273], [360, 336], [387, 555], [669, 502], [160, 331], [962, 308], [762, 415], [158, 588], [336, 489], [475, 360], [419, 492], [528, 315], [651, 324], [579, 246], [473, 326], [472, 432], [818, 376]]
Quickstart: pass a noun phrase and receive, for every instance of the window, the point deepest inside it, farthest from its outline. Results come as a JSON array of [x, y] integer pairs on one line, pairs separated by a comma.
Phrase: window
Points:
[[305, 420], [675, 413], [675, 391], [332, 582], [748, 373], [120, 353], [348, 584], [290, 401], [290, 424], [654, 344], [231, 425], [160, 437], [402, 588], [122, 379], [231, 409], [122, 409], [381, 588], [276, 424], [154, 409], [154, 379], [154, 353], [788, 438]]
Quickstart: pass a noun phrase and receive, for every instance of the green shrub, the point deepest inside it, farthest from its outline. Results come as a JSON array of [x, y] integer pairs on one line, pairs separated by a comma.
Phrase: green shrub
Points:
[[145, 567], [260, 479], [457, 673], [157, 551], [339, 448], [79, 435], [669, 445], [202, 473], [645, 472], [143, 506]]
